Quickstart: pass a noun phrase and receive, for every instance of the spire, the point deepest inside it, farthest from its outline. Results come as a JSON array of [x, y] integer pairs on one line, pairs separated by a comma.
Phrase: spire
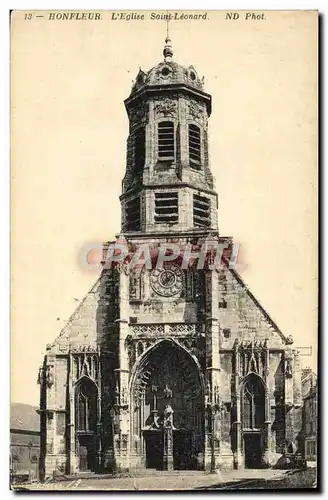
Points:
[[168, 51]]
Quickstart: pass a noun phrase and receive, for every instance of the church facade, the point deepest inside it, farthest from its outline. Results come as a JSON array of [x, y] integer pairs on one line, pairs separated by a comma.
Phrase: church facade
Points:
[[171, 366]]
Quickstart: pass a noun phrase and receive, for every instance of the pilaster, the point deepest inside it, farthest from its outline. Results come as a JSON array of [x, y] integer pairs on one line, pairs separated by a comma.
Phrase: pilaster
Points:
[[122, 437]]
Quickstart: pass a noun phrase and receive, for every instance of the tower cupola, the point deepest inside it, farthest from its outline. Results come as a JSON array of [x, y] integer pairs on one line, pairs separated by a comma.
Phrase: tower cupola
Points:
[[168, 185]]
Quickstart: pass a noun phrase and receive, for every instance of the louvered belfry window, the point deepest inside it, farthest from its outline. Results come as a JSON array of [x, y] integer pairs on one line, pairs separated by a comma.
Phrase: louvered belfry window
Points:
[[194, 146], [166, 141], [166, 208], [202, 211]]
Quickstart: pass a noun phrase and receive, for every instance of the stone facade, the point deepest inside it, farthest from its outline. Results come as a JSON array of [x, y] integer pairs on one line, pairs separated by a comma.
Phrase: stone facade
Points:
[[168, 368], [310, 414]]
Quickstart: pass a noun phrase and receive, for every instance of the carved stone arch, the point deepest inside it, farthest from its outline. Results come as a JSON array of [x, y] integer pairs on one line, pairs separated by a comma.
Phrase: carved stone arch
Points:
[[167, 379], [140, 348], [150, 347], [141, 372]]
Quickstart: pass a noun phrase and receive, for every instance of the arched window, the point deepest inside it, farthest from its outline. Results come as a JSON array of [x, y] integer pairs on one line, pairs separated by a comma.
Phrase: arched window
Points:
[[253, 403], [166, 141], [86, 406], [194, 146]]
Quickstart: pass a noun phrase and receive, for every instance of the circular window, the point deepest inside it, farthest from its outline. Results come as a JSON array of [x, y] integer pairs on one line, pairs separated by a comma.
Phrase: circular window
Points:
[[192, 76], [165, 71]]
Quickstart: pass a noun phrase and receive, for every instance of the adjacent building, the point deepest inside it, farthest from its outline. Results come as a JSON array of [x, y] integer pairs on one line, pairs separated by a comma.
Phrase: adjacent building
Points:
[[310, 415], [170, 367], [24, 442]]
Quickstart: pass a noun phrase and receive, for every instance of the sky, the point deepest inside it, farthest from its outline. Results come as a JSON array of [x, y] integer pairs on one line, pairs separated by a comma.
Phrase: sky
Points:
[[68, 138]]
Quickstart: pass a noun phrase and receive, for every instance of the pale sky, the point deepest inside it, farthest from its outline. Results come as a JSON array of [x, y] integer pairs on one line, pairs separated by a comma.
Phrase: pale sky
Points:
[[69, 130]]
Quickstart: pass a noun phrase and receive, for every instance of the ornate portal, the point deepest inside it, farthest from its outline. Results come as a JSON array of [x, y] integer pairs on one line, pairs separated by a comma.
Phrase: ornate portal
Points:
[[168, 408]]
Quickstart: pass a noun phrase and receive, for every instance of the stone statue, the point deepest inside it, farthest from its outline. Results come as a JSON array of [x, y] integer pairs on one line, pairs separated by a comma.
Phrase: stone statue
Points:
[[49, 376], [168, 416]]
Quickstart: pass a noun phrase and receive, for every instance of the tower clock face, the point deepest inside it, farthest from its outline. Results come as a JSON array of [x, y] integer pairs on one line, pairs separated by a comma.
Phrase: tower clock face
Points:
[[167, 281]]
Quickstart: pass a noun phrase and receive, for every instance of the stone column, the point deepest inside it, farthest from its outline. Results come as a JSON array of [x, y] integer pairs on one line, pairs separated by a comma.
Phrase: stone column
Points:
[[122, 378], [267, 423], [213, 370], [50, 459], [238, 454], [73, 465], [99, 435], [184, 147], [168, 448]]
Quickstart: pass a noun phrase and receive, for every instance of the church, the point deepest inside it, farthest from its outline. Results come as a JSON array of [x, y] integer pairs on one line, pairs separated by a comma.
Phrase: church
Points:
[[176, 367]]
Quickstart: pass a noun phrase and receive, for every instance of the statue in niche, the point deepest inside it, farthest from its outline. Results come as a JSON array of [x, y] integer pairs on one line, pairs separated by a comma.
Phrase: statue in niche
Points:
[[167, 392], [40, 375], [288, 369], [49, 376], [168, 416]]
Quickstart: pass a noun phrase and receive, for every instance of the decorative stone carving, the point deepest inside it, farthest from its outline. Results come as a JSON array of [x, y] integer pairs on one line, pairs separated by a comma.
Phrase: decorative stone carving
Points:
[[86, 365], [147, 330], [139, 114], [250, 357], [80, 348], [166, 107], [50, 376], [289, 340], [196, 111], [124, 397], [183, 329]]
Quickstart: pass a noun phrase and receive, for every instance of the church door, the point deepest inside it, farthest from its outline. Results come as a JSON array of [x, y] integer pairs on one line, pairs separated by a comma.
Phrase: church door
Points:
[[154, 449], [253, 451], [253, 417], [169, 400]]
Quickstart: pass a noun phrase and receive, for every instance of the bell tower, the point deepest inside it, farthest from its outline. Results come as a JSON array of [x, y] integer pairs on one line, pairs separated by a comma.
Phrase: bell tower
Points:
[[168, 186]]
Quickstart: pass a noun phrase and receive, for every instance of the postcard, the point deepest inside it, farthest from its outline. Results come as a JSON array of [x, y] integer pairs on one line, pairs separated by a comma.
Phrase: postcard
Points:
[[164, 250]]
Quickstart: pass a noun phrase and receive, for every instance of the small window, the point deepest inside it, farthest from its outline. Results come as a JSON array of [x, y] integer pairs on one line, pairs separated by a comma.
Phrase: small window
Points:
[[166, 71], [135, 286], [166, 141], [202, 211], [133, 215], [139, 150], [226, 333], [194, 146], [223, 304], [166, 208]]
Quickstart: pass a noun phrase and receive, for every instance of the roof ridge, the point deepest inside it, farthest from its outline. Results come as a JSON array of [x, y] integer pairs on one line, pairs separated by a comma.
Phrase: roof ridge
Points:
[[272, 323]]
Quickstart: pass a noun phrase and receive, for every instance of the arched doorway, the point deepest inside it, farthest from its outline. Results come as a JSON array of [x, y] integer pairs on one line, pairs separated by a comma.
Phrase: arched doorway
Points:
[[86, 399], [253, 418], [167, 393]]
